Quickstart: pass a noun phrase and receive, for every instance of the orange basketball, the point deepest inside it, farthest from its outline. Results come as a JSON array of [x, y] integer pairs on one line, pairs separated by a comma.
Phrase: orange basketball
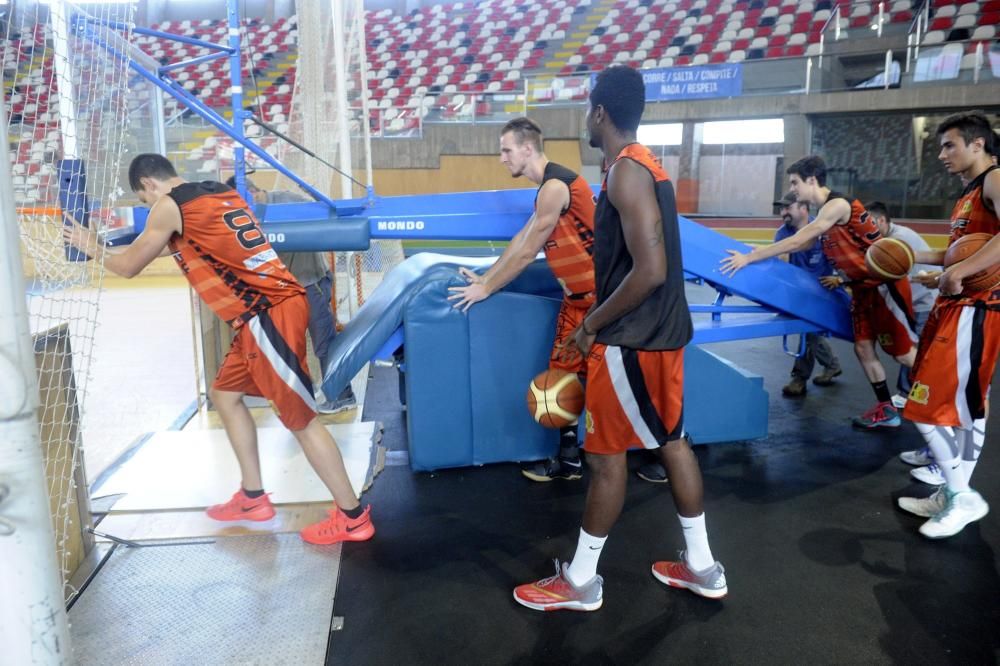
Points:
[[555, 398], [961, 250], [889, 259]]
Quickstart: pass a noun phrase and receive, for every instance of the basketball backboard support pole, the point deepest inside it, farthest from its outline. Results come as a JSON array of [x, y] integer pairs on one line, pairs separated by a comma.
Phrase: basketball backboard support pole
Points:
[[33, 621], [343, 127]]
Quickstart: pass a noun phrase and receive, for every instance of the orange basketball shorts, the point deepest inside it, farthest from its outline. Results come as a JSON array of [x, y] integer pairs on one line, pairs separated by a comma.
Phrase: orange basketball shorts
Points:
[[565, 354], [884, 314], [955, 364], [268, 359], [634, 398]]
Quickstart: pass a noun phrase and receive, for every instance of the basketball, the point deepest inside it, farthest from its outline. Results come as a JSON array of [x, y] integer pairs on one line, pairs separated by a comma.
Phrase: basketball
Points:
[[555, 398], [889, 259], [964, 248]]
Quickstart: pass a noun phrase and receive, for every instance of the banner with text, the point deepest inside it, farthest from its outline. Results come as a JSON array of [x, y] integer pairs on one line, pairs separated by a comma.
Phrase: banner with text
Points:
[[702, 82]]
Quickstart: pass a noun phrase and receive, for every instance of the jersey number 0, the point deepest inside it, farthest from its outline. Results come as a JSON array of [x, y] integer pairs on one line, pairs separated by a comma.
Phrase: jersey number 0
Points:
[[247, 231]]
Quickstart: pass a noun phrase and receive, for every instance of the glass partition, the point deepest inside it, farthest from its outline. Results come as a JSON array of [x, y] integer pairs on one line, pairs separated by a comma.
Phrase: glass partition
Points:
[[889, 157]]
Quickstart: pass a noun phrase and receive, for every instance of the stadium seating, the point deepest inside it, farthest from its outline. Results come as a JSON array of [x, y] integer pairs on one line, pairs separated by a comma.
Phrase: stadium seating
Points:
[[456, 61]]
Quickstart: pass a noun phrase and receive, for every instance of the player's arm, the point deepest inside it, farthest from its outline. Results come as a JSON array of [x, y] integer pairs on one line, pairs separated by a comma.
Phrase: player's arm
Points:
[[830, 214], [924, 259], [987, 256], [553, 198], [164, 220], [631, 192], [929, 256]]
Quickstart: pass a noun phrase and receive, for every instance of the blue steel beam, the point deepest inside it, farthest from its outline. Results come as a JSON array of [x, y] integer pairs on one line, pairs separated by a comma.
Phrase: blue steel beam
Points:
[[191, 61], [750, 326], [161, 80]]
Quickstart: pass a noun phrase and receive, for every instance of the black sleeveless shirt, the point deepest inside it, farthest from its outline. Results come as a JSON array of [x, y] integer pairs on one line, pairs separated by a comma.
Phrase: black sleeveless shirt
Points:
[[662, 321]]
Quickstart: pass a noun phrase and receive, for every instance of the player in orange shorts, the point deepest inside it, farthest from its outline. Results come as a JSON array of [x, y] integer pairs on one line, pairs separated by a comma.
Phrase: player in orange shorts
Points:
[[563, 227], [635, 336], [880, 312], [961, 341], [218, 244]]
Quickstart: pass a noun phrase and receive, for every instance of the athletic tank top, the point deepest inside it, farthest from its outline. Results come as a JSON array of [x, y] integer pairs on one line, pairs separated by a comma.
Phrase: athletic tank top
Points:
[[225, 255], [845, 244], [570, 247], [971, 216], [663, 320]]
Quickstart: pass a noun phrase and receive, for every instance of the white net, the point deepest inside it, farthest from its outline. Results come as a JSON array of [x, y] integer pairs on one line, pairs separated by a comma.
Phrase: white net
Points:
[[328, 116], [66, 99]]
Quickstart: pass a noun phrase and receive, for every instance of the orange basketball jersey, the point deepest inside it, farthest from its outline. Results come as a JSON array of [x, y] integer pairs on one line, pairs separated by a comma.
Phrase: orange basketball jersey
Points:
[[971, 216], [845, 244], [225, 255], [569, 248]]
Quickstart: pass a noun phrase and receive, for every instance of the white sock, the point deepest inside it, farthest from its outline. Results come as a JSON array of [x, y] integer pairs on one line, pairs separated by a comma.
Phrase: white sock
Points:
[[972, 445], [699, 555], [944, 444], [584, 564]]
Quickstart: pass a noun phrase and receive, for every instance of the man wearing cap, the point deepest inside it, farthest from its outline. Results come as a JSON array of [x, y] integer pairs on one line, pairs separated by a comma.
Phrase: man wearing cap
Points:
[[794, 216]]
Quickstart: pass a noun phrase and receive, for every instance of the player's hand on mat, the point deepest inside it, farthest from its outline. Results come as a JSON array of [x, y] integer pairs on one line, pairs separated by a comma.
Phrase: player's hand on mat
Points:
[[831, 282], [465, 297], [950, 283], [79, 236], [470, 276], [928, 279], [734, 262], [583, 340]]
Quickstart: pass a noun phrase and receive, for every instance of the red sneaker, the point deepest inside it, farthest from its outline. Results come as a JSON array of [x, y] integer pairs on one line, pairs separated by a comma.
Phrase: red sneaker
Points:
[[338, 527], [558, 593], [710, 583], [241, 507], [882, 415]]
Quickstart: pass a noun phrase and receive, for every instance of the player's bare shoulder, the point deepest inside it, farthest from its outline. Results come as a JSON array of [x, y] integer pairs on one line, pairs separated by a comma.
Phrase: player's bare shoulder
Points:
[[991, 190], [835, 211], [553, 197], [165, 214], [628, 179]]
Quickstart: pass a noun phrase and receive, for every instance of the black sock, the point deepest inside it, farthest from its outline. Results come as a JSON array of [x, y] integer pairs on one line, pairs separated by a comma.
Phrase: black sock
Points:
[[253, 494], [881, 391], [354, 513], [568, 445]]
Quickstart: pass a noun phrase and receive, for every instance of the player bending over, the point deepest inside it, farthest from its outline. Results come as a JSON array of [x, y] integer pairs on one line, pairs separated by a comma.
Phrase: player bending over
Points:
[[218, 244]]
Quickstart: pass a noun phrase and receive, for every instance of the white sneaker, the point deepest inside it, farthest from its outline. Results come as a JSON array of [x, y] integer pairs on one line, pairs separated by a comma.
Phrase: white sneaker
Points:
[[917, 457], [899, 401], [960, 510], [931, 475], [925, 507]]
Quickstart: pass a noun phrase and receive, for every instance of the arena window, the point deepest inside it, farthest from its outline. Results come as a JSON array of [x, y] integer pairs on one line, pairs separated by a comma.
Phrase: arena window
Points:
[[763, 130], [664, 134]]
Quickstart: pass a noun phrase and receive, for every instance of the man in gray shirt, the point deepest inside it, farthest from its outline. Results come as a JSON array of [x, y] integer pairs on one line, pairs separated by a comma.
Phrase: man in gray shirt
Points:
[[313, 273], [923, 298], [925, 469]]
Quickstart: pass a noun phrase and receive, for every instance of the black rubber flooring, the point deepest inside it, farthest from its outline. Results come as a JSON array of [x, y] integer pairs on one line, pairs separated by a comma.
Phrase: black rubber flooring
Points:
[[822, 568]]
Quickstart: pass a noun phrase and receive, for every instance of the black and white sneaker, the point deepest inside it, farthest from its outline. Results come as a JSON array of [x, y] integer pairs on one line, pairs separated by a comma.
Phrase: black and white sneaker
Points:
[[567, 469]]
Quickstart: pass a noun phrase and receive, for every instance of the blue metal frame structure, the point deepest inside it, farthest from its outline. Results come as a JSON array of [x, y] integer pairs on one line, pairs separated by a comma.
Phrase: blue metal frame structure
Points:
[[162, 80]]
